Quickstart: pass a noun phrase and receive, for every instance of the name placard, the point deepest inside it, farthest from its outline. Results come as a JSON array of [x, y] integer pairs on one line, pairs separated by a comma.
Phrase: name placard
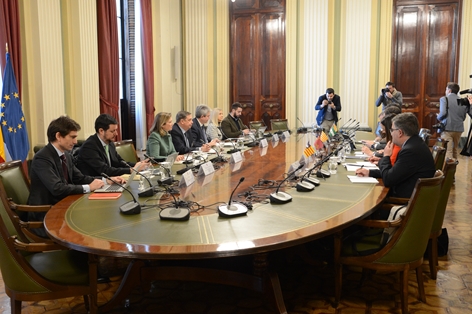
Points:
[[187, 178]]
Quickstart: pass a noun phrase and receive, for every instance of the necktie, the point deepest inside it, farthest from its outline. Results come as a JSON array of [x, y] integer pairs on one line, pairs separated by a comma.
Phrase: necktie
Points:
[[65, 171], [108, 154], [205, 137], [186, 139]]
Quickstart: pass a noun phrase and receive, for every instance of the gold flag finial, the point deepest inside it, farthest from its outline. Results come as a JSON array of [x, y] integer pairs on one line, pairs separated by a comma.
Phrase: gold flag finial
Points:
[[6, 47]]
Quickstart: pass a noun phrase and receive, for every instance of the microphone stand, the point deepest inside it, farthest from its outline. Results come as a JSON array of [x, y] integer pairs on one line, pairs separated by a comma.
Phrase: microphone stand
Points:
[[232, 210], [254, 141], [131, 207], [146, 192], [302, 129], [234, 150], [178, 212], [161, 181], [282, 197]]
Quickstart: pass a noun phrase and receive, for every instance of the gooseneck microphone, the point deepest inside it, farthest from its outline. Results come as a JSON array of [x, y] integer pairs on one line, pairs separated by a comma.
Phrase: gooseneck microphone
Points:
[[234, 150], [219, 158], [177, 212], [302, 129], [282, 197], [253, 137], [232, 210], [131, 207], [146, 192]]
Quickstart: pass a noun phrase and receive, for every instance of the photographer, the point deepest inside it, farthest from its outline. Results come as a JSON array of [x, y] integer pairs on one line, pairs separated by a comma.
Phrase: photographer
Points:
[[389, 97], [328, 106], [452, 113]]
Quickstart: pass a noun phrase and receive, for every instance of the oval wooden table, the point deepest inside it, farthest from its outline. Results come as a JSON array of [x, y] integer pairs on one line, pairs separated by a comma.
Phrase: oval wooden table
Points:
[[97, 227]]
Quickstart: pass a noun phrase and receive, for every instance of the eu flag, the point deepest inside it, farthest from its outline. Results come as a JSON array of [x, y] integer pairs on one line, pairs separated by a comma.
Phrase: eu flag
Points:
[[12, 118]]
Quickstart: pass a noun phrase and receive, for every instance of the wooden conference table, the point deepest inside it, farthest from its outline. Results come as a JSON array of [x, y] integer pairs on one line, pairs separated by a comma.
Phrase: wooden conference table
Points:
[[97, 227]]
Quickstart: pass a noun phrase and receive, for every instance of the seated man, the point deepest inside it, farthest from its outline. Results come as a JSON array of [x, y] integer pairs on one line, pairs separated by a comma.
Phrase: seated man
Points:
[[232, 126], [53, 174], [182, 137], [414, 160], [98, 154], [198, 129]]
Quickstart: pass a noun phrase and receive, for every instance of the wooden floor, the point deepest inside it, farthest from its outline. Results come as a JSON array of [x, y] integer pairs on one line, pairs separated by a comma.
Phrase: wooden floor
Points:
[[308, 287]]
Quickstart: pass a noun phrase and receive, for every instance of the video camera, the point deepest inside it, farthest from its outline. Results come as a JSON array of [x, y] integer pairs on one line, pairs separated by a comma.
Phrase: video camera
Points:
[[464, 101]]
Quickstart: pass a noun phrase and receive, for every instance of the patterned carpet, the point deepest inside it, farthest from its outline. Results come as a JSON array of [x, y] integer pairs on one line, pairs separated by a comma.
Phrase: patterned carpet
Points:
[[306, 277]]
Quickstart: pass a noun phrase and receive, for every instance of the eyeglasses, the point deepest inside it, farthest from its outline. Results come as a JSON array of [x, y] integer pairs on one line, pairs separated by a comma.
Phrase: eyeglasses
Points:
[[392, 129]]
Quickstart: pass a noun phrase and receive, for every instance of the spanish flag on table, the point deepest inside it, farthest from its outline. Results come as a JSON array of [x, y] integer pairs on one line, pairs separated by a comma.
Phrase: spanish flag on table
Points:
[[12, 119]]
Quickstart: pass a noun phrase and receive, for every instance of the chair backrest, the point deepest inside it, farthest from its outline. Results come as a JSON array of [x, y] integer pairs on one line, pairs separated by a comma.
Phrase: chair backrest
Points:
[[126, 150], [439, 155], [409, 242], [255, 125], [279, 125], [449, 172], [15, 181]]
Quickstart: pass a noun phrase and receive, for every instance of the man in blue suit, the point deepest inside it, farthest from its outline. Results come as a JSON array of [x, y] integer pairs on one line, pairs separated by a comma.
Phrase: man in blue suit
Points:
[[328, 105]]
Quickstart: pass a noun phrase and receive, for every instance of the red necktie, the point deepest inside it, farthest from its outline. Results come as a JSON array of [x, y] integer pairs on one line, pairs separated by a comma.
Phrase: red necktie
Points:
[[64, 167]]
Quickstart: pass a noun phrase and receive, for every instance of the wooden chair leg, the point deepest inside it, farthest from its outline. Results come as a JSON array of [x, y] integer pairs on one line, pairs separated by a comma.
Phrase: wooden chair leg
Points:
[[419, 278], [404, 290], [15, 306], [433, 257]]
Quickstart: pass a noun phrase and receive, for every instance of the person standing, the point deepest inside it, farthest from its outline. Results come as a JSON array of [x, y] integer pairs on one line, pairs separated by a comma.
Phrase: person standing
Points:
[[389, 96], [232, 126], [328, 105], [452, 114]]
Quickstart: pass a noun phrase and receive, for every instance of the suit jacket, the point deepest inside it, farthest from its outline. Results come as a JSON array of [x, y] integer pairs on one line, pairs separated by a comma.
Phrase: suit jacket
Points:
[[92, 159], [414, 161], [198, 134], [178, 138], [48, 184], [322, 111], [230, 129], [451, 113]]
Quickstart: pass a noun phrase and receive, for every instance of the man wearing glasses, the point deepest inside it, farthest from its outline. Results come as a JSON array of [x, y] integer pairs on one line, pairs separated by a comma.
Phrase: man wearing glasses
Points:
[[414, 160]]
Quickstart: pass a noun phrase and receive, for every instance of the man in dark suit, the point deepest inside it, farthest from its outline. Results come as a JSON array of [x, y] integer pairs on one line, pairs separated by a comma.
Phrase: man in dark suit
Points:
[[53, 173], [414, 160], [198, 129], [182, 137], [98, 154], [232, 126]]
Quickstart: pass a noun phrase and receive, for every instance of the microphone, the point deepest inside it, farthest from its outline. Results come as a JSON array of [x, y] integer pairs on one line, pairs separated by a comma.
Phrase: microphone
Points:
[[131, 207], [179, 212], [282, 197], [466, 91], [186, 161], [302, 129], [253, 138], [234, 150], [219, 158], [166, 169], [146, 192], [232, 210]]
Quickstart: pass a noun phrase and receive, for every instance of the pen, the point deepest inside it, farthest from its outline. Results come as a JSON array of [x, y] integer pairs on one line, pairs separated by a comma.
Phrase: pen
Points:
[[362, 166]]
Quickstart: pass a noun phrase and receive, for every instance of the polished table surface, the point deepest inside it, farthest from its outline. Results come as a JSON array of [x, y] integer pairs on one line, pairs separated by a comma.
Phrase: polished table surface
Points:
[[96, 226]]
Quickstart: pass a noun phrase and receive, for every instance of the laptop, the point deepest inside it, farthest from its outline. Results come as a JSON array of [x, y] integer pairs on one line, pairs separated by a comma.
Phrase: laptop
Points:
[[171, 158], [115, 188], [260, 131]]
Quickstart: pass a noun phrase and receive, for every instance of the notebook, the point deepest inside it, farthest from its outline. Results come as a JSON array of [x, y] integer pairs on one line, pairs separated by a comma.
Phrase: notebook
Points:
[[115, 188]]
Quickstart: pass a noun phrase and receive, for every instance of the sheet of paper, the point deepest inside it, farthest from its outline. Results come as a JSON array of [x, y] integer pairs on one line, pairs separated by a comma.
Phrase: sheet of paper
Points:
[[356, 179]]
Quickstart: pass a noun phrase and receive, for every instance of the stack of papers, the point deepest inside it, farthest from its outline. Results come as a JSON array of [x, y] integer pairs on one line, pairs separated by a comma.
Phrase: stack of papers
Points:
[[359, 164], [357, 155], [356, 179]]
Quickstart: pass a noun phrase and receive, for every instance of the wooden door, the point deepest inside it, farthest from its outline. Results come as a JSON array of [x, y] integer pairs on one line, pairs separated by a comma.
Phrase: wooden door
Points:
[[425, 54], [258, 58]]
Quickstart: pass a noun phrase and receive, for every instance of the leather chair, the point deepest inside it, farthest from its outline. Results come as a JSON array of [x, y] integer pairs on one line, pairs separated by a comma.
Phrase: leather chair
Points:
[[255, 125], [31, 272], [405, 250], [432, 252], [16, 186], [439, 155], [279, 125], [126, 150]]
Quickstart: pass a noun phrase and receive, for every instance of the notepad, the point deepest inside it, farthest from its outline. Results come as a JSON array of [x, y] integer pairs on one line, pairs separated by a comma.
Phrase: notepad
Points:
[[104, 196], [356, 179]]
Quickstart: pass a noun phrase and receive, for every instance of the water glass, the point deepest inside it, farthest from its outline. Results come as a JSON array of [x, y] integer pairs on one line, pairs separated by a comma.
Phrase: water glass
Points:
[[333, 165]]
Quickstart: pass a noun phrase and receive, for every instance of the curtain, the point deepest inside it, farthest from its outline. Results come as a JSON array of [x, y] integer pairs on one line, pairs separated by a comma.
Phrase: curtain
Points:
[[148, 61], [10, 33], [108, 59]]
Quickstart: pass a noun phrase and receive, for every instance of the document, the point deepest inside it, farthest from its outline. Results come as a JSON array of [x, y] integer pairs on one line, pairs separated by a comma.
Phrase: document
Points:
[[356, 179]]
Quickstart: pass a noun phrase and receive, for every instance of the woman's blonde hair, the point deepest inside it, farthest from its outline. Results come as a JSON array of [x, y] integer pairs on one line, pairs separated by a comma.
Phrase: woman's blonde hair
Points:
[[214, 116], [159, 120]]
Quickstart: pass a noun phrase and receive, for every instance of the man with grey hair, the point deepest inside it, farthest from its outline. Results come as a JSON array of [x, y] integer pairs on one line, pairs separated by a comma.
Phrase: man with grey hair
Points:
[[414, 160], [198, 129]]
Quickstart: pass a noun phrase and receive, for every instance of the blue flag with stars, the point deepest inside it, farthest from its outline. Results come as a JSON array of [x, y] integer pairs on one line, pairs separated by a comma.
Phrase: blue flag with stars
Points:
[[12, 118]]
